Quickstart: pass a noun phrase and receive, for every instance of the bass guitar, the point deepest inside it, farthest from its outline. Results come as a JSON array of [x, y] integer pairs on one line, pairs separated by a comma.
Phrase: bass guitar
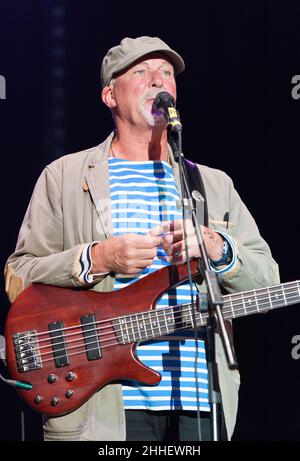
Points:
[[63, 344]]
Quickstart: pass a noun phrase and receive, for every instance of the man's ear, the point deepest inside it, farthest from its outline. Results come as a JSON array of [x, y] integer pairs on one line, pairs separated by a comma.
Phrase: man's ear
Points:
[[108, 97]]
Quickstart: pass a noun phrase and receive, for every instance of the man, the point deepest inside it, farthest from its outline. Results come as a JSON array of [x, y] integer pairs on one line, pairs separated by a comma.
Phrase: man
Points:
[[107, 216]]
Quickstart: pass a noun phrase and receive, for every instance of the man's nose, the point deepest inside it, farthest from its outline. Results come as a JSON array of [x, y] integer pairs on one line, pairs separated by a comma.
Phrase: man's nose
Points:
[[156, 79]]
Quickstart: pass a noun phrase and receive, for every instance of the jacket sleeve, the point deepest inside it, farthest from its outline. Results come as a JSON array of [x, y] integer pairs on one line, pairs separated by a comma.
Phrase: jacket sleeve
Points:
[[255, 266], [40, 255]]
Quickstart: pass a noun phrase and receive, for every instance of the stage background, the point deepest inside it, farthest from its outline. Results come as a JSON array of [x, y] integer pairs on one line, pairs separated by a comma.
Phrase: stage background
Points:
[[238, 113]]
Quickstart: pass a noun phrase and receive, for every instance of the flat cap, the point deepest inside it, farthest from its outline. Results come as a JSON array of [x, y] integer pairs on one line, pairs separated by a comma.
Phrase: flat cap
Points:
[[130, 50]]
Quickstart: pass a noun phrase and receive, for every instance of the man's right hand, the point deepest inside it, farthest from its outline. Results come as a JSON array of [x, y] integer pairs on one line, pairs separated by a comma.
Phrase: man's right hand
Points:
[[126, 254]]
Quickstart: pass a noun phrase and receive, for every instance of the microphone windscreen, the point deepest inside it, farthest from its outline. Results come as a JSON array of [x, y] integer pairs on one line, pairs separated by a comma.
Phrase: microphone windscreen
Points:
[[164, 99]]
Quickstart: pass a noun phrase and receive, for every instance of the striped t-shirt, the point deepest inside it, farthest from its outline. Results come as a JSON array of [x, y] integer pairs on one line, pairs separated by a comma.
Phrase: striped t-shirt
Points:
[[143, 194]]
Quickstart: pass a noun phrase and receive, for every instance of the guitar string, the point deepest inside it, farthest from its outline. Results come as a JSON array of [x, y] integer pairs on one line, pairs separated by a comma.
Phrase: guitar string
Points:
[[103, 347], [134, 339], [231, 298], [113, 337], [158, 313]]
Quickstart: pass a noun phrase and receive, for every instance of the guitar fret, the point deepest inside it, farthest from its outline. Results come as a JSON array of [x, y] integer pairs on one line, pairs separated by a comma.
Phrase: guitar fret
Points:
[[191, 315], [154, 323], [277, 298], [282, 289], [256, 300], [250, 301], [145, 327], [269, 295], [261, 300], [141, 328], [198, 319], [201, 319], [127, 337], [121, 324], [231, 306], [244, 305], [158, 324], [137, 319], [151, 326], [166, 322], [172, 319], [132, 328]]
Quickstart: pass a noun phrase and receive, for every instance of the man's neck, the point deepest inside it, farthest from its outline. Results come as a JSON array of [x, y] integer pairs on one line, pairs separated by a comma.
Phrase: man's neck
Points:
[[148, 145]]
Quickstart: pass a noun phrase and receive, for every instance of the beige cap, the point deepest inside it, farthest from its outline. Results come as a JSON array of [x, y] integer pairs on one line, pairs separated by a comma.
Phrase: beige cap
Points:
[[130, 50]]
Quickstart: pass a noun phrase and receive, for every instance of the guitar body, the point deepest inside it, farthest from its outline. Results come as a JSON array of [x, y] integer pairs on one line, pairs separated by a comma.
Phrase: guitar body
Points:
[[66, 342]]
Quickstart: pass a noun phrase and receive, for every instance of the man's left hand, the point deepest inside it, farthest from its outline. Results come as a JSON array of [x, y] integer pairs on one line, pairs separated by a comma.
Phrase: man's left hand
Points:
[[174, 244]]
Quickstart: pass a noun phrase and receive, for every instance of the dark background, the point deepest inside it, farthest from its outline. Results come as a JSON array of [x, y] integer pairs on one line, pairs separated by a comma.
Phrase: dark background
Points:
[[238, 115]]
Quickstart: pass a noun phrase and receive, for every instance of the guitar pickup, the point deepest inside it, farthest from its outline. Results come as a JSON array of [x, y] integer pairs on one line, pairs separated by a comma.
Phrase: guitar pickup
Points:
[[90, 337], [58, 344]]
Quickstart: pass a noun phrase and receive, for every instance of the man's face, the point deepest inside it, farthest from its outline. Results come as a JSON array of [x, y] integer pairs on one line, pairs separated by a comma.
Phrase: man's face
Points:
[[136, 88]]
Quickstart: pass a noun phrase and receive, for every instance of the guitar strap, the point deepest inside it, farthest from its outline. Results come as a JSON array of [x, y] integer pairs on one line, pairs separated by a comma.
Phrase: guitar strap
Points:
[[194, 181], [195, 184]]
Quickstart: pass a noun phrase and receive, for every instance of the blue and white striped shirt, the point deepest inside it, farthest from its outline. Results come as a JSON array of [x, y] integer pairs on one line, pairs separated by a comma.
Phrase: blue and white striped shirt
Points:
[[143, 195]]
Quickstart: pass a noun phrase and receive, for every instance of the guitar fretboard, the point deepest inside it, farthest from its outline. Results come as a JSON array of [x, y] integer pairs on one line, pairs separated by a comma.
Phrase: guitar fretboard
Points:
[[155, 323]]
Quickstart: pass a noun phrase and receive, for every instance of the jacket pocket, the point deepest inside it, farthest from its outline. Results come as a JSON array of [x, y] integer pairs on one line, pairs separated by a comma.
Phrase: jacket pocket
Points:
[[67, 427], [224, 226]]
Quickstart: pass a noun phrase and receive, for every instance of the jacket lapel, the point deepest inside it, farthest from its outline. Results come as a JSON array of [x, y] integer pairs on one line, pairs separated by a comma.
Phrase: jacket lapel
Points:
[[97, 180]]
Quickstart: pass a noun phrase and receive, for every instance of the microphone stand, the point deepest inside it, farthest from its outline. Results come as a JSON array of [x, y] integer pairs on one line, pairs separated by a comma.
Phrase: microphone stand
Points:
[[214, 295]]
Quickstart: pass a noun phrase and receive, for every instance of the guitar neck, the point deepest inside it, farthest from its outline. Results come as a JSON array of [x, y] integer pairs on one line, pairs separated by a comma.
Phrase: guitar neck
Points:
[[152, 324]]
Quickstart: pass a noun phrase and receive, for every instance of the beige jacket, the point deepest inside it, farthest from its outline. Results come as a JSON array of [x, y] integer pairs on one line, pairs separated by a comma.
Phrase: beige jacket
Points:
[[70, 207]]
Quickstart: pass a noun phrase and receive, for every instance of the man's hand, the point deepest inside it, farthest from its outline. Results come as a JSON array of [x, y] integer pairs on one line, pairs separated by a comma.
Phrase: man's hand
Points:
[[174, 245], [127, 254]]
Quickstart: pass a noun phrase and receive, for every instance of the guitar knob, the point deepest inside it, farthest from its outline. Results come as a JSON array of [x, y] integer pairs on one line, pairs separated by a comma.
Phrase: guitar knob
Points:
[[38, 399], [69, 393], [70, 376], [52, 378], [54, 401]]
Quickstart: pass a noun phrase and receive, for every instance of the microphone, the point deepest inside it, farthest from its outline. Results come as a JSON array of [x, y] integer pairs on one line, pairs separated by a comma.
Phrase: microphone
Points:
[[165, 102]]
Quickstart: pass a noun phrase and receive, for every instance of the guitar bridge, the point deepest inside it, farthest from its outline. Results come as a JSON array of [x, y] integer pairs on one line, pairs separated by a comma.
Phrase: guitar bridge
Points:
[[27, 351]]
